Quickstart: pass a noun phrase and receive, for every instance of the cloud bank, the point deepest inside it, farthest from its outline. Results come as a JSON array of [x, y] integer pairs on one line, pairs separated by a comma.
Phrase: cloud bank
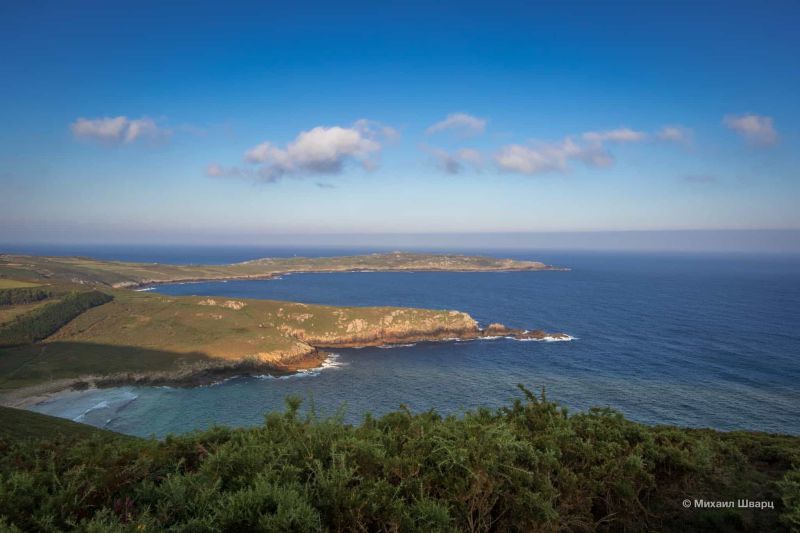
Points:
[[318, 151], [118, 130], [757, 130], [538, 157], [589, 148], [461, 123]]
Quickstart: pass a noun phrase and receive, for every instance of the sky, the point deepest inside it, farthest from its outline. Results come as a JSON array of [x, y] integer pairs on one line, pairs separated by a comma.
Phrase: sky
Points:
[[221, 122]]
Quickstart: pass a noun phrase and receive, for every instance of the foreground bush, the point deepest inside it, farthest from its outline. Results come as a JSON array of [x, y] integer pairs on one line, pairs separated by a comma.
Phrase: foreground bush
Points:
[[44, 321], [527, 467]]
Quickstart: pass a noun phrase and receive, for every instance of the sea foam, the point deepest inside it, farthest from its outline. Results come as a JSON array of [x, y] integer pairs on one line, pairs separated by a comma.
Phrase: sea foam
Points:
[[331, 362]]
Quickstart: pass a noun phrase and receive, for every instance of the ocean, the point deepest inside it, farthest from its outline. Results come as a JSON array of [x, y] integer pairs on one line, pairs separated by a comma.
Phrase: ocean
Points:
[[695, 340]]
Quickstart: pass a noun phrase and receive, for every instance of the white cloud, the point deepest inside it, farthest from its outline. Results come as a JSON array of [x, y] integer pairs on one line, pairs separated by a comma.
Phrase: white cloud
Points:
[[619, 135], [757, 130], [116, 130], [538, 158], [321, 150], [456, 162], [461, 122], [589, 148], [677, 134], [318, 151]]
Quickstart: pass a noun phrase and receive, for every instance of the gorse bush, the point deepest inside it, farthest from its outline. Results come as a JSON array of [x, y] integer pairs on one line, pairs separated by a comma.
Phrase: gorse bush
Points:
[[527, 467], [23, 295], [44, 321]]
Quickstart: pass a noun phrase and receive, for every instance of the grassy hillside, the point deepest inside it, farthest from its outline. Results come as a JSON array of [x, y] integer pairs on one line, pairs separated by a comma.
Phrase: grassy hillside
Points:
[[527, 467], [17, 424], [10, 312], [236, 328], [126, 274]]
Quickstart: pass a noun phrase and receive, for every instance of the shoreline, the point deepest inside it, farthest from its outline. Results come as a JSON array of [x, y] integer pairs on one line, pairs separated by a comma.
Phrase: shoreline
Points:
[[200, 376], [214, 373]]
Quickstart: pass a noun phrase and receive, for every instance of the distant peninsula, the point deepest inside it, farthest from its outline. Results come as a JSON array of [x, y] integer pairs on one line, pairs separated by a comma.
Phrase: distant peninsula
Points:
[[120, 274], [69, 322]]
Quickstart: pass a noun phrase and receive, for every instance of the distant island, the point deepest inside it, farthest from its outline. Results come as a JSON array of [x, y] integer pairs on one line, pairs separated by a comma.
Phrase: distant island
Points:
[[68, 322]]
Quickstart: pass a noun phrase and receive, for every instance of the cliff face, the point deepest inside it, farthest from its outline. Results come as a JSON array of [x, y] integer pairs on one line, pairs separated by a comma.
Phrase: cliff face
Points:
[[407, 326], [396, 327]]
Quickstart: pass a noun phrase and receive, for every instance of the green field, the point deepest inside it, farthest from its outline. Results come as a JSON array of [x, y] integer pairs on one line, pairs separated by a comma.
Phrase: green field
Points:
[[14, 284]]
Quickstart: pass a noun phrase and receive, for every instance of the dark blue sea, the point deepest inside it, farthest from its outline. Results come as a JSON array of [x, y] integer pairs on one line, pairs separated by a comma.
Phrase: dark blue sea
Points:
[[692, 340]]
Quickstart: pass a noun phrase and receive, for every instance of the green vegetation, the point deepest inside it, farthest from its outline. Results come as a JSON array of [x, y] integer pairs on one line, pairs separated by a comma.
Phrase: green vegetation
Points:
[[9, 312], [23, 295], [527, 467], [46, 320], [21, 300]]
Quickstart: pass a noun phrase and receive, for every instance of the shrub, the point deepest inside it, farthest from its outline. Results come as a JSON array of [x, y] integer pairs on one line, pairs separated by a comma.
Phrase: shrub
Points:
[[23, 295], [527, 467]]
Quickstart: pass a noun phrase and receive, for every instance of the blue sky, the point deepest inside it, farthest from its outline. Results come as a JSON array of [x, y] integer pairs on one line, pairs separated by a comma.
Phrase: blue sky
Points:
[[136, 121]]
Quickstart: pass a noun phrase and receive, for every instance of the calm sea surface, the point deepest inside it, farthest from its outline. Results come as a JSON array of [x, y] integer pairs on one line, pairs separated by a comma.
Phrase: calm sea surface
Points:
[[692, 340]]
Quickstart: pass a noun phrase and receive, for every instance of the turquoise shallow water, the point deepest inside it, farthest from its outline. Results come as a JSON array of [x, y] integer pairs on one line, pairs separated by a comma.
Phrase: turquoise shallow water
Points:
[[693, 340]]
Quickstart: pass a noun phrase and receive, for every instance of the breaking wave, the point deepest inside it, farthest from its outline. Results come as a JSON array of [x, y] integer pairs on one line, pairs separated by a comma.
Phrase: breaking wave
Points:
[[331, 362], [113, 404], [549, 338], [390, 346]]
